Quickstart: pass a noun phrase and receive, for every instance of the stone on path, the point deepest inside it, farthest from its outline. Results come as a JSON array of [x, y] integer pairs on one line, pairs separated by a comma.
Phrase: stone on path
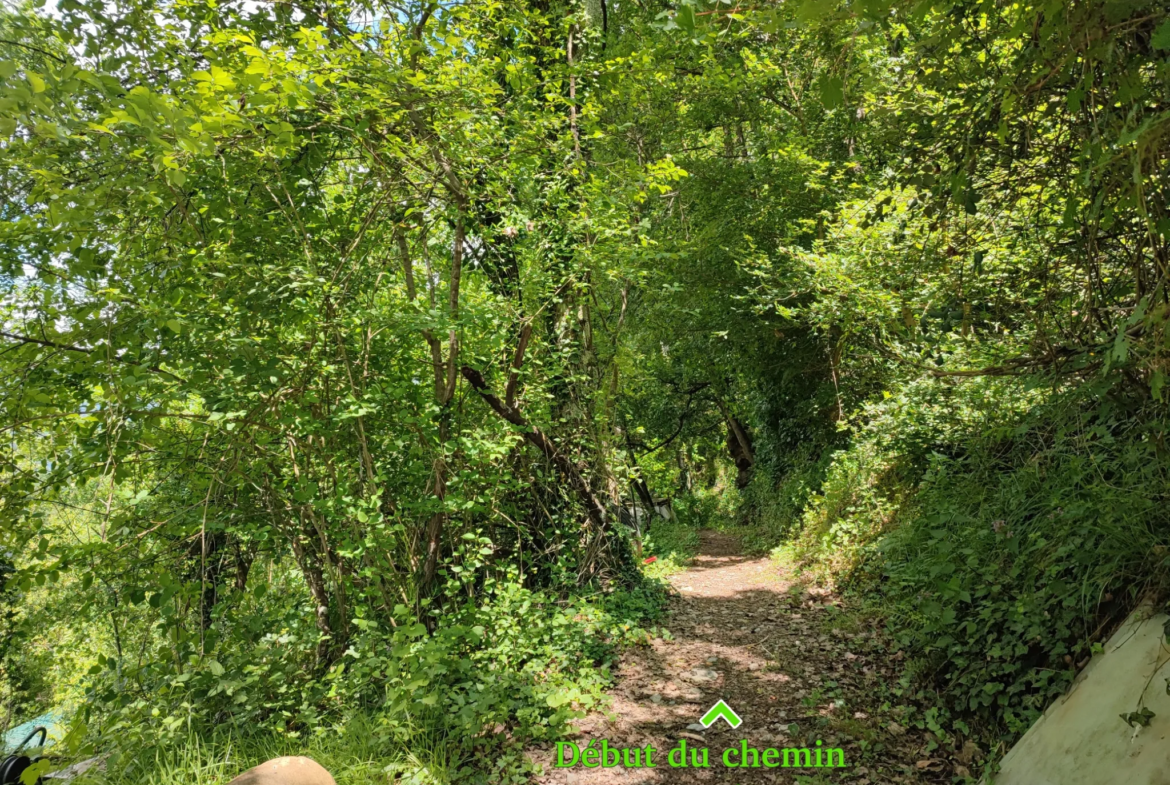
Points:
[[701, 675], [296, 770]]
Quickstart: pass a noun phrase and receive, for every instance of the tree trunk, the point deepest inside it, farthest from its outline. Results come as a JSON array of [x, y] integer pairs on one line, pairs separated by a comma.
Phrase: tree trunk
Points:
[[534, 436], [740, 446], [310, 565], [445, 375]]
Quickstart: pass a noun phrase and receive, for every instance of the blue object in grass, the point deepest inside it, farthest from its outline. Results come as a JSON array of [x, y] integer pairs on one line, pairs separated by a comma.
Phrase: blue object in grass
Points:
[[52, 721]]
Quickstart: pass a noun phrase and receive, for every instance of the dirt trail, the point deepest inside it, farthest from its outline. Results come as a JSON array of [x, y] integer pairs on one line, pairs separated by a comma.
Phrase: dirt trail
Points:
[[784, 657]]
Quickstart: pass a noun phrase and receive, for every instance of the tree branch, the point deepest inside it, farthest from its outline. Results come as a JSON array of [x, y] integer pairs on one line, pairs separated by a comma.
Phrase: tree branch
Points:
[[536, 437], [517, 362], [66, 347]]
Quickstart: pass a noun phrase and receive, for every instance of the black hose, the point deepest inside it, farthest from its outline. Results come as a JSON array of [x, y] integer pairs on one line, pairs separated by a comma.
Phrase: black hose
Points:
[[44, 737]]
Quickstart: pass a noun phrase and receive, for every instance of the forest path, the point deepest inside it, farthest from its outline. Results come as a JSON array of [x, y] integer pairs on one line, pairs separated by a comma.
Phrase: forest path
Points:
[[784, 656]]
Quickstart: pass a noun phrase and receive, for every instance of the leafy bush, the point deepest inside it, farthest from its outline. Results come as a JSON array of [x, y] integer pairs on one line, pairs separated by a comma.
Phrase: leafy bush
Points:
[[1022, 553], [673, 543], [1000, 542], [515, 666]]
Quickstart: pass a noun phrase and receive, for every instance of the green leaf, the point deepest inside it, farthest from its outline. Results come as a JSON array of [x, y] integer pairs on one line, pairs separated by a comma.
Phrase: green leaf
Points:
[[832, 91], [174, 326], [686, 19], [35, 81], [1161, 37], [32, 775], [971, 202], [812, 10], [1141, 718]]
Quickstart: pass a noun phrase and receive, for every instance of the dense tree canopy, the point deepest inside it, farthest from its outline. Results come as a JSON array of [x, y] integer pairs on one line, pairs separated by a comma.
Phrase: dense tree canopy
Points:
[[336, 336]]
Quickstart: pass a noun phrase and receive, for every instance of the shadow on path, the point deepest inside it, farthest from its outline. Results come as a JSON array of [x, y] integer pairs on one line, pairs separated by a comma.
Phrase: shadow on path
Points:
[[783, 655]]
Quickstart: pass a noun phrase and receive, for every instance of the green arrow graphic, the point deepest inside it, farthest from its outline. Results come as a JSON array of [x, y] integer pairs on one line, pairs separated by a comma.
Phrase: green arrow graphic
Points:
[[720, 711]]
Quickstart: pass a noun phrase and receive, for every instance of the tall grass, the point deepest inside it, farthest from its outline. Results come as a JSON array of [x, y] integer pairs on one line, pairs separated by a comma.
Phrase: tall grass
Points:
[[359, 752]]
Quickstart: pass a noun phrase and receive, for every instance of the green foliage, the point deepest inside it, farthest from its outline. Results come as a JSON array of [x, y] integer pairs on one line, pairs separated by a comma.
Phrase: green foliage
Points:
[[335, 340], [1024, 551], [672, 544], [770, 514], [519, 662], [999, 542], [359, 749]]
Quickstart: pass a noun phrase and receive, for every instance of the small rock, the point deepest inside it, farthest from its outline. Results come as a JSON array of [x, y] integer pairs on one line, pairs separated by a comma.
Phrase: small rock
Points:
[[696, 727], [77, 769], [655, 698], [701, 674], [970, 752], [691, 695]]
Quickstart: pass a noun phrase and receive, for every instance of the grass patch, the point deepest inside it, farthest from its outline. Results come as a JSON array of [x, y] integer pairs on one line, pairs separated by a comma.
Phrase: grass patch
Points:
[[675, 545], [364, 750]]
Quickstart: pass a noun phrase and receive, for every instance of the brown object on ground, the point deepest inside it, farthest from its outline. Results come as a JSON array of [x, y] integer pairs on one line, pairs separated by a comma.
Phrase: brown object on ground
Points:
[[286, 771], [783, 655]]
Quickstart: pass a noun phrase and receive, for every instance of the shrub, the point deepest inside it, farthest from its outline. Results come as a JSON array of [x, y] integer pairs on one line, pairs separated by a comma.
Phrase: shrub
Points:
[[999, 535]]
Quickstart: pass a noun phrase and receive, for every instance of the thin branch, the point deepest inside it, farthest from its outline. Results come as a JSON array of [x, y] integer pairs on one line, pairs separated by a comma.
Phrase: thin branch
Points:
[[517, 362], [32, 48], [24, 339]]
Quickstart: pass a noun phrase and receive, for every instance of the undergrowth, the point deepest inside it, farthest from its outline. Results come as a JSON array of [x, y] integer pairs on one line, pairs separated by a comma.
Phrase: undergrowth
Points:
[[999, 529], [453, 706], [362, 750], [671, 545]]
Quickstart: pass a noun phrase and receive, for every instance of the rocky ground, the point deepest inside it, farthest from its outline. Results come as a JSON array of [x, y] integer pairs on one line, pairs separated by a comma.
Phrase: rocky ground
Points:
[[795, 666]]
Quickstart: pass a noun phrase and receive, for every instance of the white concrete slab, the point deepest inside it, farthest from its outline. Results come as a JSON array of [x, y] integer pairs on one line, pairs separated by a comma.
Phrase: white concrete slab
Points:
[[1082, 740]]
